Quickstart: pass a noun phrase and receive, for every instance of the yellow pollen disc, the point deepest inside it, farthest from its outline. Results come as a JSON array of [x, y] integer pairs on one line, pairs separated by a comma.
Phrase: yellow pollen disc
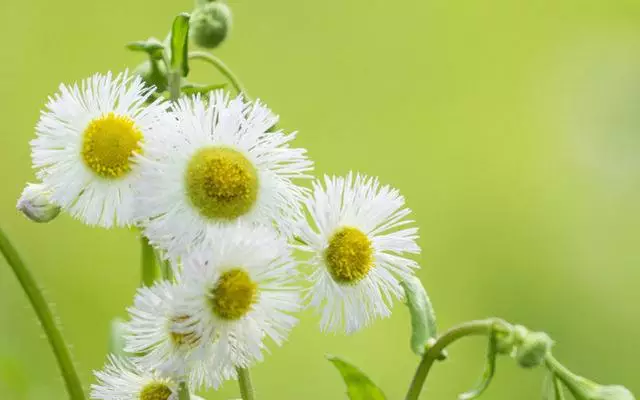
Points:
[[108, 143], [349, 256], [233, 295], [155, 391], [221, 183], [182, 338]]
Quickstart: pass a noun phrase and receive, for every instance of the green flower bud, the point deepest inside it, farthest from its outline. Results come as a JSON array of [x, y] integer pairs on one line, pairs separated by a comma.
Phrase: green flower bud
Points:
[[534, 348], [153, 73], [36, 205], [210, 24], [610, 393]]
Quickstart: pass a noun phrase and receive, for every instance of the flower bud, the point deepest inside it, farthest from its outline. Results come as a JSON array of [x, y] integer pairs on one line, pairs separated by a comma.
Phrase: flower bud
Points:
[[610, 393], [36, 204], [210, 24], [153, 73], [534, 348]]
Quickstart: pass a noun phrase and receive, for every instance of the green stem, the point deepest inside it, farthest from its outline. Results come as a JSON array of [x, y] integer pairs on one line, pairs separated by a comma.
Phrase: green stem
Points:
[[147, 261], [472, 328], [567, 377], [183, 391], [174, 85], [246, 387], [39, 304], [222, 67]]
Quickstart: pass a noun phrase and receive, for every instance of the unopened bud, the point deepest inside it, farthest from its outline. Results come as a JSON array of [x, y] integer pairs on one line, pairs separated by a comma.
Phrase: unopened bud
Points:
[[153, 73], [610, 393], [534, 348], [35, 203], [210, 24]]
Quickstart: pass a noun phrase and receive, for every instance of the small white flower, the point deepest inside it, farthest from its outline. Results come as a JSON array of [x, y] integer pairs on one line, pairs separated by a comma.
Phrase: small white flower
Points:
[[35, 203], [358, 243], [86, 140], [121, 379], [166, 340], [217, 166], [239, 291]]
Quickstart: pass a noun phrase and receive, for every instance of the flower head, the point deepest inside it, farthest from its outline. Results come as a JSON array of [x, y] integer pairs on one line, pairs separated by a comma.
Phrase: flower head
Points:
[[239, 291], [122, 379], [86, 141], [166, 339], [216, 167], [358, 236]]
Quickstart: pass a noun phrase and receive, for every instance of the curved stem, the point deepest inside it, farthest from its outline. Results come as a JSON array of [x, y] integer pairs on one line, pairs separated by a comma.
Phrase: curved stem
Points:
[[147, 262], [564, 375], [246, 386], [39, 304], [472, 328], [222, 67]]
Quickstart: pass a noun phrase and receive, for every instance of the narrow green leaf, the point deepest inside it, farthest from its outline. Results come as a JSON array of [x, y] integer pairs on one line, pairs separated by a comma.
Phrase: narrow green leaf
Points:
[[152, 46], [489, 370], [193, 88], [359, 386], [180, 44], [423, 318]]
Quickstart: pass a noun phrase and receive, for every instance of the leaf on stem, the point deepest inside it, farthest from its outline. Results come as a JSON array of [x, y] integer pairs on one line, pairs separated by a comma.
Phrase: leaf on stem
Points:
[[180, 44], [359, 386], [423, 318], [489, 370], [194, 88], [152, 46]]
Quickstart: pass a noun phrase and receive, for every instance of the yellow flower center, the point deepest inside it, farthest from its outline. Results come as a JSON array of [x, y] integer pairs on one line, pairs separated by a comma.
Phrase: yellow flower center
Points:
[[182, 338], [349, 256], [221, 183], [155, 391], [233, 295], [108, 143]]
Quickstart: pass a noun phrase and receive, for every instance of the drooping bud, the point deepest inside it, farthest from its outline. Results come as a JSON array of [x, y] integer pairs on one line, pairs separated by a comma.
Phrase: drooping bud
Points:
[[611, 393], [153, 73], [210, 24], [534, 348], [35, 203]]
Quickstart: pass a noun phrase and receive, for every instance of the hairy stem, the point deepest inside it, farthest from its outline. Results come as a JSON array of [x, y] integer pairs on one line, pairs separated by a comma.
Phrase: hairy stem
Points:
[[147, 262], [222, 67], [183, 391], [472, 328], [39, 304], [246, 387]]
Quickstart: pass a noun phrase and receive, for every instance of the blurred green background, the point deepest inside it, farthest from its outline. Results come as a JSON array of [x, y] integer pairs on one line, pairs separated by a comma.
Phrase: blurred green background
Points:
[[512, 127]]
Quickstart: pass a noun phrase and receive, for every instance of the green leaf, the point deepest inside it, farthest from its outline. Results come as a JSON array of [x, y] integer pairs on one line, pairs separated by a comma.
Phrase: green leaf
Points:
[[423, 318], [489, 370], [151, 46], [180, 44], [193, 88], [359, 386]]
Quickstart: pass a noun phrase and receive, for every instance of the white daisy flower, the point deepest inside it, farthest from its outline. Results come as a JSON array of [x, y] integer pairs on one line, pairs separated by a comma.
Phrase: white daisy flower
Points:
[[122, 379], [86, 139], [358, 236], [239, 292], [165, 339], [218, 166]]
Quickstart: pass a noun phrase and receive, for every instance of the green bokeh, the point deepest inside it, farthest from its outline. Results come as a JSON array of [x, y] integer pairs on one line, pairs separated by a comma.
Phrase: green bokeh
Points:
[[512, 127]]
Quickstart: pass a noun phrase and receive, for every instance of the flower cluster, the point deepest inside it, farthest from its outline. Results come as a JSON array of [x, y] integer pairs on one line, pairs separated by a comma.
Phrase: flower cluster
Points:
[[215, 189]]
